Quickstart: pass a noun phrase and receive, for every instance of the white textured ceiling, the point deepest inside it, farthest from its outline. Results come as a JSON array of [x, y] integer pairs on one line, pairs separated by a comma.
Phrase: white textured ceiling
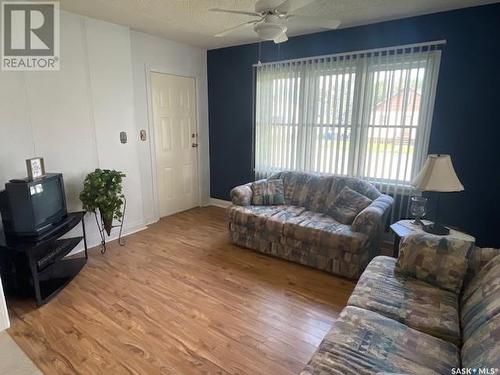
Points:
[[189, 21]]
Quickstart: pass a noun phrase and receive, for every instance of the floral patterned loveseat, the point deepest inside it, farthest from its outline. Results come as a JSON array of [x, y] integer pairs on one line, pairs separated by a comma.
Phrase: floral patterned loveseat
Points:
[[399, 324], [300, 229]]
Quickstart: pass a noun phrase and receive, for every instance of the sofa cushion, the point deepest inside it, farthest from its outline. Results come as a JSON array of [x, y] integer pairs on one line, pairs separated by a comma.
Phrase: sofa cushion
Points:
[[481, 299], [347, 206], [256, 217], [478, 280], [482, 348], [440, 261], [252, 216], [313, 193], [322, 230], [356, 184], [268, 192], [365, 342], [275, 223], [307, 190], [313, 190], [410, 301], [478, 258]]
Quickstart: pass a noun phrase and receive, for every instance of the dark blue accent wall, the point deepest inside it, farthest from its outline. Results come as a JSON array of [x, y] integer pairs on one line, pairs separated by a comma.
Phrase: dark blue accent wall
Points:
[[466, 121]]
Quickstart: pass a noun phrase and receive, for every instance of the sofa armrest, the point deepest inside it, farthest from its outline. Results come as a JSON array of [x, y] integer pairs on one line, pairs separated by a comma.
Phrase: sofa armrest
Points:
[[242, 195], [371, 220]]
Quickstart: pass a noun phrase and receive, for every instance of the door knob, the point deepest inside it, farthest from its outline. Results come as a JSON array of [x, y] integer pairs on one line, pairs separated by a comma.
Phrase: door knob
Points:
[[194, 145]]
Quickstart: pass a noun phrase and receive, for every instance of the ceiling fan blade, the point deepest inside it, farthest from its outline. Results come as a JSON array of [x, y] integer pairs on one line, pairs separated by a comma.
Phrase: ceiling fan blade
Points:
[[219, 10], [311, 21], [263, 5], [231, 29], [292, 5], [281, 38]]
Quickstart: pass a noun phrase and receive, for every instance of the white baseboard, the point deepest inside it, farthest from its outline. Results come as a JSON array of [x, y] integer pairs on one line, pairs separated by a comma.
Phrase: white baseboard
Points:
[[219, 203], [151, 220]]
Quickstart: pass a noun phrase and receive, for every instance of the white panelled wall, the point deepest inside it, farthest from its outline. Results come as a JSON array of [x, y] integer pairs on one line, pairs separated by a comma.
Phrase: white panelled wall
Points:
[[73, 117], [110, 71]]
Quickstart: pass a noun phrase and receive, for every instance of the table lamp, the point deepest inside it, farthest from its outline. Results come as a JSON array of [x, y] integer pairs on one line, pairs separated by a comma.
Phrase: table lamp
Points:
[[437, 175]]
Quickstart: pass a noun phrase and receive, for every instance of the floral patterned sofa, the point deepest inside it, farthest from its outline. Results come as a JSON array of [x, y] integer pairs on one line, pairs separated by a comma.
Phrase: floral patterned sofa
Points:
[[300, 229], [398, 324]]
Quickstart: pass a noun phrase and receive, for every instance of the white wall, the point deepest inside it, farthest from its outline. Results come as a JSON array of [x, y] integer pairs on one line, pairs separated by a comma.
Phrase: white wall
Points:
[[73, 117], [110, 66], [150, 53], [4, 314]]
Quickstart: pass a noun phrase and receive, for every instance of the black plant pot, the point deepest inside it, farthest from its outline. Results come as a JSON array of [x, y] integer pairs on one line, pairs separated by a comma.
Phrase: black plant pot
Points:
[[108, 223]]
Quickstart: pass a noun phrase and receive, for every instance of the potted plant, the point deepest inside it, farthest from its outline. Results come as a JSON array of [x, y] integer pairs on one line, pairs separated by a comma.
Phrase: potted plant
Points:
[[102, 190]]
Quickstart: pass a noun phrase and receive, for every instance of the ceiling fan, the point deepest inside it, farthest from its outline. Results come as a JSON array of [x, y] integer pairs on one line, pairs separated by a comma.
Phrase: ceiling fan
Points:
[[273, 18]]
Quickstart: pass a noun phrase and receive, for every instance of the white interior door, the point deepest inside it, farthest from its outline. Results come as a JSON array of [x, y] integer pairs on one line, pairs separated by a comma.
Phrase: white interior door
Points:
[[174, 117]]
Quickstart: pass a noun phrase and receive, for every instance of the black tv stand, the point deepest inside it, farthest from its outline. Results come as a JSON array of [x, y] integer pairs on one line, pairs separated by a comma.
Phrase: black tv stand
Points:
[[39, 265], [51, 230]]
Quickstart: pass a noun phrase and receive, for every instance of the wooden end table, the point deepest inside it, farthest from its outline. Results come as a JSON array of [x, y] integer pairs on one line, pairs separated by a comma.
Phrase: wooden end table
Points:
[[404, 228]]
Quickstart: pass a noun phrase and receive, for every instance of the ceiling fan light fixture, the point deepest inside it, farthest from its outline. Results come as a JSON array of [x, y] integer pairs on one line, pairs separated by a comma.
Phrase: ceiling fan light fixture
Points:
[[269, 31], [273, 16]]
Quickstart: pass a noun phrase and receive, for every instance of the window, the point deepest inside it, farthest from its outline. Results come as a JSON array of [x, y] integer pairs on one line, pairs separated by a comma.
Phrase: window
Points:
[[365, 114]]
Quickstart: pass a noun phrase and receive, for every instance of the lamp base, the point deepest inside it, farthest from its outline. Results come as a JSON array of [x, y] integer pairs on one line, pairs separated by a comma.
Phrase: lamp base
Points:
[[418, 222], [436, 228]]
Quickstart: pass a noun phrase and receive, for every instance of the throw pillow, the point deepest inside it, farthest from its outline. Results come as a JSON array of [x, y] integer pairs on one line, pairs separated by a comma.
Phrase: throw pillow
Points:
[[268, 193], [437, 260], [347, 206]]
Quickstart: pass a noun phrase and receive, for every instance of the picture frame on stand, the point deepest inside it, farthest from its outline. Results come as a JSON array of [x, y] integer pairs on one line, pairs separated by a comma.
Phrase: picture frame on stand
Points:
[[35, 167]]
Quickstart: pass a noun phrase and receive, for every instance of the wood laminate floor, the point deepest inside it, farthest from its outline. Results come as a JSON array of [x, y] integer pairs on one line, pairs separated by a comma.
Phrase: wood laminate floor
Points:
[[179, 298]]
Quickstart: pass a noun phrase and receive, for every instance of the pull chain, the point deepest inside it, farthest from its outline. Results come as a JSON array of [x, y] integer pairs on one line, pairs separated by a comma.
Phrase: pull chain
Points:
[[259, 63]]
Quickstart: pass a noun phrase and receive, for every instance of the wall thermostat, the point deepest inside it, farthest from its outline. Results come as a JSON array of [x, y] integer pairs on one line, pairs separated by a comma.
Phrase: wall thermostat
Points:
[[123, 137]]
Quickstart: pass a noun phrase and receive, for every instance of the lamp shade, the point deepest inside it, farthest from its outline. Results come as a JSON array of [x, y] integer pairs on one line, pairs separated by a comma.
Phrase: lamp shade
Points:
[[437, 174]]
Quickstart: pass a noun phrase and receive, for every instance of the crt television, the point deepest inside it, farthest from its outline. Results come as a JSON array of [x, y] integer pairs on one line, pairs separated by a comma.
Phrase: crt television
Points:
[[31, 207]]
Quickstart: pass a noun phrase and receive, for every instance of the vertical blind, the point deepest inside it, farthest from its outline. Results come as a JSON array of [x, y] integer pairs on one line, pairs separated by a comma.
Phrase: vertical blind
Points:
[[365, 114]]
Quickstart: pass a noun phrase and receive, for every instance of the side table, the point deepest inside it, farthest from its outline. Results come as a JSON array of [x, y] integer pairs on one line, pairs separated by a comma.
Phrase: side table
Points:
[[404, 228]]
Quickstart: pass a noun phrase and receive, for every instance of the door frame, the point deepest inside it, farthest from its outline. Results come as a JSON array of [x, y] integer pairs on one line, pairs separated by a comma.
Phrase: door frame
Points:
[[149, 69]]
